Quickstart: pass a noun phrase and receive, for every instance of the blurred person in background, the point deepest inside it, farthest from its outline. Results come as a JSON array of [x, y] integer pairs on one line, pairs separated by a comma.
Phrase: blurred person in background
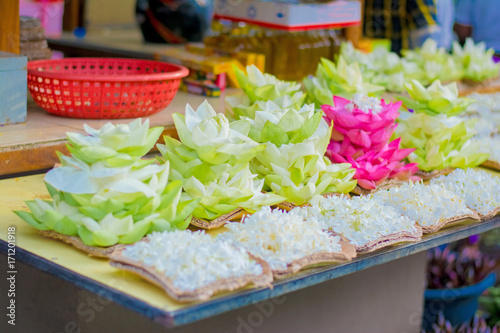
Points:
[[406, 23], [479, 19], [445, 17]]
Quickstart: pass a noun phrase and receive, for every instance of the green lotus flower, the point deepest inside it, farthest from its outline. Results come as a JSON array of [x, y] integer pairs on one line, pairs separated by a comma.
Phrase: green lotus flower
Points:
[[436, 99], [477, 61], [220, 188], [293, 163], [228, 192], [104, 204], [213, 137], [440, 141], [115, 145], [382, 67], [221, 180], [435, 63], [278, 125], [341, 79], [262, 87]]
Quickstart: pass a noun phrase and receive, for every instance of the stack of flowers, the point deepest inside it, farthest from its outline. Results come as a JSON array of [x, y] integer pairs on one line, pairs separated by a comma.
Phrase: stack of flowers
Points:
[[476, 61], [106, 194], [339, 79], [442, 141], [431, 206], [212, 163], [382, 67], [477, 187], [192, 266], [287, 241], [364, 221], [434, 62], [293, 164], [262, 87], [360, 136]]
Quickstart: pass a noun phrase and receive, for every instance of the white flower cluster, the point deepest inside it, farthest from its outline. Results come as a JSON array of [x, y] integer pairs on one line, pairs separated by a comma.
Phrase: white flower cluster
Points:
[[490, 101], [364, 103], [477, 187], [426, 204], [192, 259], [489, 145], [280, 237], [360, 219], [486, 111]]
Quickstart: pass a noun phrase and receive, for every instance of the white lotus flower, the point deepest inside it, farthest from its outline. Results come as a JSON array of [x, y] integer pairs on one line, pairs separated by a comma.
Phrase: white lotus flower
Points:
[[116, 145], [228, 192], [79, 178], [213, 137]]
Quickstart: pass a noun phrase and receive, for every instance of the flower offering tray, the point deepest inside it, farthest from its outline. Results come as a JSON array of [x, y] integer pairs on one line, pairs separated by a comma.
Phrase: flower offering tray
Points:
[[93, 251], [491, 165], [474, 217], [428, 175], [347, 254], [385, 185], [203, 293], [218, 222]]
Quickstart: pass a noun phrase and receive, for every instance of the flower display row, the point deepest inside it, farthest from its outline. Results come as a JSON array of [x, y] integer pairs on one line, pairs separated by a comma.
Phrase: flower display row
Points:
[[274, 243], [442, 140], [472, 63]]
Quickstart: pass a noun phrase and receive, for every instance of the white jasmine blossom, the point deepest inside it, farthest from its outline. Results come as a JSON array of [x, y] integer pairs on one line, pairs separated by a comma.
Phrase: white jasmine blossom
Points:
[[364, 103], [361, 220], [477, 187], [281, 237], [426, 204], [486, 111], [489, 145], [192, 259]]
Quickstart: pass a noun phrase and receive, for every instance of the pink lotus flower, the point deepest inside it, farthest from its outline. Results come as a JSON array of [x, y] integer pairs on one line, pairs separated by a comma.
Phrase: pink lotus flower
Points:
[[361, 133], [361, 125]]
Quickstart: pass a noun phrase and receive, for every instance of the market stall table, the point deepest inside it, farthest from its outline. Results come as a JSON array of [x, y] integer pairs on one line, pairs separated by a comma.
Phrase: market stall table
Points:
[[388, 289]]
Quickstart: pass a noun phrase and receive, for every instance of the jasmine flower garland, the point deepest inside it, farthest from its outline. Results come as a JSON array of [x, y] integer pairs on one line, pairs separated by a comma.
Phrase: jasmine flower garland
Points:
[[280, 237], [192, 259], [478, 188], [426, 204], [360, 220]]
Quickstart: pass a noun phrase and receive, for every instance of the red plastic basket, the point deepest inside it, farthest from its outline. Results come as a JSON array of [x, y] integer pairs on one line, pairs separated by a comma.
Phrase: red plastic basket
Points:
[[103, 87]]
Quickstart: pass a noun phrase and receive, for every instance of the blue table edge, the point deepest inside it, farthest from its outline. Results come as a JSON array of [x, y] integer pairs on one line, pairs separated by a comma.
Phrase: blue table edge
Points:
[[235, 300]]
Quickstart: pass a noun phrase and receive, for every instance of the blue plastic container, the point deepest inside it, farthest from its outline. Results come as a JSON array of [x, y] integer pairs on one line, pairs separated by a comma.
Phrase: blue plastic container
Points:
[[458, 305]]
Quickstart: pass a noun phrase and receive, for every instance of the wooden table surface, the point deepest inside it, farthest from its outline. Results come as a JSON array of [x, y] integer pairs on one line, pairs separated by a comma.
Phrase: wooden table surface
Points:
[[32, 145]]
